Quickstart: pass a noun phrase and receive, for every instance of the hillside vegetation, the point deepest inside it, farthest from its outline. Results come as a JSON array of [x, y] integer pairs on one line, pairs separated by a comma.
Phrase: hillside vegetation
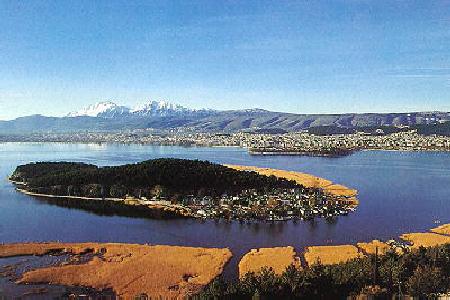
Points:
[[159, 177]]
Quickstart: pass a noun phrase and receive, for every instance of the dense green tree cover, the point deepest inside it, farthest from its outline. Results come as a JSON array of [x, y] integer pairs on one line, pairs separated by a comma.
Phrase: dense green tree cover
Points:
[[163, 177], [420, 273], [41, 169]]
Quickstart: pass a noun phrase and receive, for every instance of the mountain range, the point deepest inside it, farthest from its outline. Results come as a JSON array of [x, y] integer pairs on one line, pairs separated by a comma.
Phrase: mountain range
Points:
[[109, 116], [111, 110]]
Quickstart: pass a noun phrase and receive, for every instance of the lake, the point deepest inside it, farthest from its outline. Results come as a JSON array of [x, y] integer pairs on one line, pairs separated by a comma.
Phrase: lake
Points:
[[399, 192]]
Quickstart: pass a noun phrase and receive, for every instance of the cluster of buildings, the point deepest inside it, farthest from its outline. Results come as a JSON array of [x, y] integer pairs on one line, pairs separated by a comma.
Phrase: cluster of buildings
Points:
[[305, 142], [275, 205], [298, 142]]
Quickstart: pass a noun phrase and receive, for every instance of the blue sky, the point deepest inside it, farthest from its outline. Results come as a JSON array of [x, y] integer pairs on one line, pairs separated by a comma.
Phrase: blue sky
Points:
[[296, 56]]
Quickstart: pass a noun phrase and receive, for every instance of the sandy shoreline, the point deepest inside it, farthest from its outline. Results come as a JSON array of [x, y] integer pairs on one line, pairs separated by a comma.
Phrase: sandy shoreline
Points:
[[329, 255], [174, 271], [304, 179], [425, 239], [443, 229], [278, 258], [128, 269]]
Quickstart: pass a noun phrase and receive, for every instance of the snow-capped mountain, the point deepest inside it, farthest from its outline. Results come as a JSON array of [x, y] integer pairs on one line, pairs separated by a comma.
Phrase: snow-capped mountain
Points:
[[105, 116], [160, 109], [110, 109], [106, 109]]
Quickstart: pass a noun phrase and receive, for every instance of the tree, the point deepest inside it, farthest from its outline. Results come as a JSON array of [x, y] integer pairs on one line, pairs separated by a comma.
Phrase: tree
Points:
[[427, 280]]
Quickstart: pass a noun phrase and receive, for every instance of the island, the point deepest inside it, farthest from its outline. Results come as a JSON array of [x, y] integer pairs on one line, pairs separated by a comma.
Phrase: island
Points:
[[169, 188]]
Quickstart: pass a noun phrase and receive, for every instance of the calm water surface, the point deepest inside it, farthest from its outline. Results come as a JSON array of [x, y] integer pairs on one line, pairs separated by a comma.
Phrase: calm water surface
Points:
[[398, 191]]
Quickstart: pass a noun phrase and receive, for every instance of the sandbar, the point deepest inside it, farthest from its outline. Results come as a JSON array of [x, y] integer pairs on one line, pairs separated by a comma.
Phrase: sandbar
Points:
[[277, 258], [374, 247], [443, 229], [330, 255], [128, 269], [425, 239], [307, 180]]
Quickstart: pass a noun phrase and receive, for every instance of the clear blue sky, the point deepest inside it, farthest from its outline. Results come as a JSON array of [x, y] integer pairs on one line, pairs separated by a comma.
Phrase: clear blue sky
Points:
[[296, 56]]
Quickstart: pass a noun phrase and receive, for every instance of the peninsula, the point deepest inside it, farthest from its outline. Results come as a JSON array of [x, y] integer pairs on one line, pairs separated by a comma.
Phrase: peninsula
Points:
[[187, 188]]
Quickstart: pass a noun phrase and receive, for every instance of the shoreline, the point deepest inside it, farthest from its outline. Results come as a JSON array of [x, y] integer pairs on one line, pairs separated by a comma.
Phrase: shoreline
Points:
[[340, 194], [128, 269], [432, 150], [156, 211], [305, 179], [190, 269], [281, 257], [23, 191]]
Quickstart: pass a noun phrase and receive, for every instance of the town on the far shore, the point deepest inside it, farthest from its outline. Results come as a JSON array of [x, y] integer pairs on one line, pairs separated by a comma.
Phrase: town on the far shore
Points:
[[288, 143]]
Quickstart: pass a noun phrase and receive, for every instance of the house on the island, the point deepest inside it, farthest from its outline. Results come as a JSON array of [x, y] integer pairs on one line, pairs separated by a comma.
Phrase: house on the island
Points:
[[201, 213], [225, 201], [253, 201], [273, 201], [130, 200], [159, 201], [188, 200], [207, 200], [343, 200], [284, 201]]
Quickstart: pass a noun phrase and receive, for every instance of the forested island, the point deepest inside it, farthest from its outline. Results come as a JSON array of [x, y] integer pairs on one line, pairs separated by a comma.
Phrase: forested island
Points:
[[165, 178], [167, 187]]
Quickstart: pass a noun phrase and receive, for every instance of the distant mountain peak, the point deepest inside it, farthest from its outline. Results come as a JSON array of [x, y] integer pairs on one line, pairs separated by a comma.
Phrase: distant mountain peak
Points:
[[94, 110], [253, 110], [152, 106]]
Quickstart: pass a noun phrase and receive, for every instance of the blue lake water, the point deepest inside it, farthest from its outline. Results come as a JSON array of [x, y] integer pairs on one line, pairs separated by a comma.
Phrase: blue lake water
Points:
[[398, 191]]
